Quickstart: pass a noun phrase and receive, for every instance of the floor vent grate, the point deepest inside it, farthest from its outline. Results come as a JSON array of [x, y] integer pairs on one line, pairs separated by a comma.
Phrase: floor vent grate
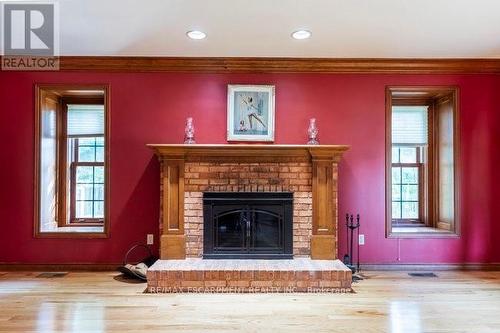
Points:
[[49, 275], [422, 274]]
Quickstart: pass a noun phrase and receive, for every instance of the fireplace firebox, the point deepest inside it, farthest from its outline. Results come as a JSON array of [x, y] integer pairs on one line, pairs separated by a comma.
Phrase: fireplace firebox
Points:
[[252, 225]]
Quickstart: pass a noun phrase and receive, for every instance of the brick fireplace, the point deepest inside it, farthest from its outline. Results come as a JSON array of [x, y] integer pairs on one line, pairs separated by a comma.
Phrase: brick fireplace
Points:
[[309, 172], [248, 177]]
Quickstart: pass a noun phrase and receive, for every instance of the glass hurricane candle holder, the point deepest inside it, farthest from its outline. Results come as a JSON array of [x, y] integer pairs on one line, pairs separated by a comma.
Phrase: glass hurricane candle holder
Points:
[[189, 131], [313, 132]]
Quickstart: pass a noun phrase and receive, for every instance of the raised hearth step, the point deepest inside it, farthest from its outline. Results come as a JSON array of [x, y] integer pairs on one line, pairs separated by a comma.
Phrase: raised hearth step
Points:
[[248, 275]]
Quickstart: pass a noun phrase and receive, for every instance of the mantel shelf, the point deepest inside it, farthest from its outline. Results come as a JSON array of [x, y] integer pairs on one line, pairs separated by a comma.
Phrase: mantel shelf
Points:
[[249, 152]]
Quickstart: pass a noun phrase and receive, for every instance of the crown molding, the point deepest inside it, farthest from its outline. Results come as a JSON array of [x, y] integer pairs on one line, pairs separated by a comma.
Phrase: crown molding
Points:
[[278, 65]]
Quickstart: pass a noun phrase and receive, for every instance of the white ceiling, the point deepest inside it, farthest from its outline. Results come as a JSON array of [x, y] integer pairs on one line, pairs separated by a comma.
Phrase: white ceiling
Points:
[[262, 28]]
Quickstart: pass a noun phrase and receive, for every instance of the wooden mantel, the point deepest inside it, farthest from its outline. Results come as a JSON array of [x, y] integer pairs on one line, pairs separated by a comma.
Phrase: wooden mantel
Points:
[[323, 159], [248, 152]]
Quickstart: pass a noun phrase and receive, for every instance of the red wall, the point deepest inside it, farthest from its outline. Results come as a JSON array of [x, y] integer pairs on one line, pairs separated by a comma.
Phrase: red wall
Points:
[[151, 108]]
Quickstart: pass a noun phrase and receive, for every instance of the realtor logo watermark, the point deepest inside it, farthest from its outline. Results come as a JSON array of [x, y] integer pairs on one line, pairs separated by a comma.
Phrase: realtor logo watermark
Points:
[[248, 290], [30, 37]]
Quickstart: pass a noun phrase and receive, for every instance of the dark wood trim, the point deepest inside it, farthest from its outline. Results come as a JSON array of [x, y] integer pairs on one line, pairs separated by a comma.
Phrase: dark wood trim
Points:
[[457, 161], [430, 168], [405, 101], [107, 158], [432, 267], [58, 87], [83, 100], [14, 267], [36, 160], [62, 146], [432, 94], [73, 234], [249, 153], [388, 162], [72, 195], [277, 65], [86, 223]]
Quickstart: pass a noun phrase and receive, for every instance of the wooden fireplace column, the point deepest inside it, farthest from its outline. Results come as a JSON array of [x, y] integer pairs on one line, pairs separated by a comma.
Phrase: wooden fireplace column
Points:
[[324, 191], [173, 239], [323, 158]]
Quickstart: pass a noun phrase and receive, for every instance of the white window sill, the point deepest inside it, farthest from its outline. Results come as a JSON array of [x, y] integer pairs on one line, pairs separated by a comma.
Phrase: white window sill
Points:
[[420, 232]]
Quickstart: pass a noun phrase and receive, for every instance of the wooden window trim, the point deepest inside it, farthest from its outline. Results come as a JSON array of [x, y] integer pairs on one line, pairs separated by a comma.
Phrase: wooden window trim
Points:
[[61, 90], [427, 95]]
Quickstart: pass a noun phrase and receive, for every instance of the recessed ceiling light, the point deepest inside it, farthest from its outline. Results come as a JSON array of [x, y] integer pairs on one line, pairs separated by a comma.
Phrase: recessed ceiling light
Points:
[[196, 34], [301, 34]]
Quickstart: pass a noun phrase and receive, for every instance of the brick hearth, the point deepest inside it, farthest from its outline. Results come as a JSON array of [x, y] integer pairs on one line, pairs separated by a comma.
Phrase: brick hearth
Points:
[[219, 275]]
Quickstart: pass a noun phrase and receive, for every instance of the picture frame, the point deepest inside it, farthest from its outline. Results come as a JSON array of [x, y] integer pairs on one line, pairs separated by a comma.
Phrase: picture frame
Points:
[[250, 112]]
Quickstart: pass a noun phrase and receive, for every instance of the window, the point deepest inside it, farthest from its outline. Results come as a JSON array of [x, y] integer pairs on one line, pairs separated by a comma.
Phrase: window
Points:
[[422, 151], [72, 150], [87, 181], [85, 130], [407, 185], [409, 147]]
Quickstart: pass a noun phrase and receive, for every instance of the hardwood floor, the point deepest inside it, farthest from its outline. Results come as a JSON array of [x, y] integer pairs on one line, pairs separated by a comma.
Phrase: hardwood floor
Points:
[[384, 302]]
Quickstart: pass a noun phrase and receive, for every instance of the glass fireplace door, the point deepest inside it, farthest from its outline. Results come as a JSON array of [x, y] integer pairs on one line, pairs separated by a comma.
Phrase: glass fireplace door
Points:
[[247, 225], [266, 230], [231, 228]]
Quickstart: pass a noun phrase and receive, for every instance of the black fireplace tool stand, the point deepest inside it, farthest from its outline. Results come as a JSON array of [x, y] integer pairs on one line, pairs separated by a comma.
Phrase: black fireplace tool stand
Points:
[[352, 226]]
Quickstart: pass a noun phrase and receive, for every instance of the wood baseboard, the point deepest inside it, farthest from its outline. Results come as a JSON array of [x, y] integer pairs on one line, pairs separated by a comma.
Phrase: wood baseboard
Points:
[[431, 267], [9, 267]]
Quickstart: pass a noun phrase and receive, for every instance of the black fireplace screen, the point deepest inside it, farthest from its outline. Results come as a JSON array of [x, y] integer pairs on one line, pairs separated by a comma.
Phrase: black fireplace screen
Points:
[[247, 225]]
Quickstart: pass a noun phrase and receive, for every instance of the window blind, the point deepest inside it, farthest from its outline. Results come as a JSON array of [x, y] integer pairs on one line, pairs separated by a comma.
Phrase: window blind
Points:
[[85, 120], [409, 125]]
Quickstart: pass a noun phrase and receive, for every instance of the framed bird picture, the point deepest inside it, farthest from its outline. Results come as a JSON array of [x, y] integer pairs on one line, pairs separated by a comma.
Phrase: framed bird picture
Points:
[[250, 113]]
